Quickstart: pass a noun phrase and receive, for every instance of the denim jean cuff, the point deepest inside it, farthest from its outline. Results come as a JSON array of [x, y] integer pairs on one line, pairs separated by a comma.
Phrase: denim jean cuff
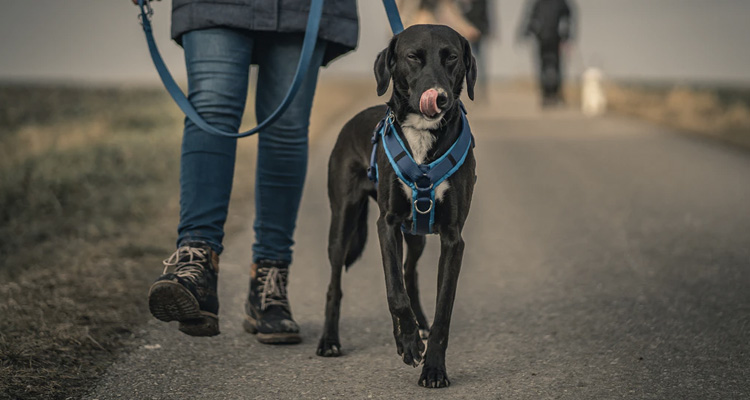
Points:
[[271, 260], [216, 247]]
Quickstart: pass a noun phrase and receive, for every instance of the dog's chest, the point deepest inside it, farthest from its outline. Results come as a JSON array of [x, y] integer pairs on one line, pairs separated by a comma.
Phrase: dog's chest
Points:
[[420, 141]]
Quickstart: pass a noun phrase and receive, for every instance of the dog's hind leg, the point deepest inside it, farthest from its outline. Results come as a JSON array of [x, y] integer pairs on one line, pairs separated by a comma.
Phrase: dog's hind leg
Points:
[[346, 240], [451, 253], [414, 247]]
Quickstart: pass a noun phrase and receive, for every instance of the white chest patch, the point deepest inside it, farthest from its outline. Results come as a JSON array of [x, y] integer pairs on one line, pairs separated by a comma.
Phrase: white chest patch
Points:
[[439, 190], [420, 142], [416, 132]]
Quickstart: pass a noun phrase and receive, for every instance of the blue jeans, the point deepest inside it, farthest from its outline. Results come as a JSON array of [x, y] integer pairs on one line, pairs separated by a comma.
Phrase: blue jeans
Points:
[[218, 62]]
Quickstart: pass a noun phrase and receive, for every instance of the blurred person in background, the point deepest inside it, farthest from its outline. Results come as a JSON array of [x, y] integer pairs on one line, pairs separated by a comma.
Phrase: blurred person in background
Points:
[[551, 23], [221, 40], [443, 12], [478, 13]]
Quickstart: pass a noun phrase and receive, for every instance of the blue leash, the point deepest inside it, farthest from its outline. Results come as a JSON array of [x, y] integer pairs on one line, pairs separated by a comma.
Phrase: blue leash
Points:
[[393, 16], [308, 47]]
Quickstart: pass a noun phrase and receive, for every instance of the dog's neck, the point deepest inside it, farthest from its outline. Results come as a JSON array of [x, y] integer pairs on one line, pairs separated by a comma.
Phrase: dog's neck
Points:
[[427, 140]]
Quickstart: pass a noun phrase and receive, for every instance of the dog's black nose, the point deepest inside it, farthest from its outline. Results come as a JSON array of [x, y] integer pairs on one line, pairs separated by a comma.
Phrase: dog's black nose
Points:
[[442, 101]]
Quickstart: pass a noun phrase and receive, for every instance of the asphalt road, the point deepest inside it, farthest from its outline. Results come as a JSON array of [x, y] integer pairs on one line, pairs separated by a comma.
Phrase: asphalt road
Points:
[[605, 259]]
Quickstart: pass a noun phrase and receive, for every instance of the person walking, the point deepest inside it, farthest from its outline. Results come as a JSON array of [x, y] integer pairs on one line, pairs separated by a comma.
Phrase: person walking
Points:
[[550, 22], [221, 40], [480, 13], [444, 12]]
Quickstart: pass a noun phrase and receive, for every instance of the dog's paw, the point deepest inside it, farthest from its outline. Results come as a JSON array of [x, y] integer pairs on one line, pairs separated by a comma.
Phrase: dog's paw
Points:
[[329, 347], [410, 347], [434, 377]]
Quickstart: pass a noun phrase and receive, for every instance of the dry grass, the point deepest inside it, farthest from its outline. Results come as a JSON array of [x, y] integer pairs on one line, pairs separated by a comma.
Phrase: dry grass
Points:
[[88, 209], [721, 112], [714, 111], [82, 172]]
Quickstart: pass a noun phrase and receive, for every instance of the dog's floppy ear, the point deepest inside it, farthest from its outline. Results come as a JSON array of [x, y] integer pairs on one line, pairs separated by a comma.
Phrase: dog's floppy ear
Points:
[[383, 66], [471, 69]]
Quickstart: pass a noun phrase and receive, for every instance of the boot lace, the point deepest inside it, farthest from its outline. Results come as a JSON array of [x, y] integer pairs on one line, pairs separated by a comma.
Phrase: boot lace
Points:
[[272, 285], [187, 262]]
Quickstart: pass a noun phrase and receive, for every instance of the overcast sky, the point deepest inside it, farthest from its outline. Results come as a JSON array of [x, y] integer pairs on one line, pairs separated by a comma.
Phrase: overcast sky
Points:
[[101, 41]]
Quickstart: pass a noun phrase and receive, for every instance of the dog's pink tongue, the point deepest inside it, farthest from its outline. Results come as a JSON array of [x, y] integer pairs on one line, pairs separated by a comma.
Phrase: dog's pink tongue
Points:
[[428, 103]]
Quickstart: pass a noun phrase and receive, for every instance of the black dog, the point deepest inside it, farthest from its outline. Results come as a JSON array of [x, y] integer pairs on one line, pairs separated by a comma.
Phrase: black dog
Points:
[[427, 64]]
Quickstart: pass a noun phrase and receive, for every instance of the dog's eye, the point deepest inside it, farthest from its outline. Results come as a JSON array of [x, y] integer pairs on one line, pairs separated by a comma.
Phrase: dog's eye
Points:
[[412, 57], [452, 57]]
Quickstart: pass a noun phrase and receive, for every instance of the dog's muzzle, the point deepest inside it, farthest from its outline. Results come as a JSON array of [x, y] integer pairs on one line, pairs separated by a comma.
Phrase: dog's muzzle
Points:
[[428, 103]]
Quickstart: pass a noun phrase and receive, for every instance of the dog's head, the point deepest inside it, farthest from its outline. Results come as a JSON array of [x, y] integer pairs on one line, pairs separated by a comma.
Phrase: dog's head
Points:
[[428, 64]]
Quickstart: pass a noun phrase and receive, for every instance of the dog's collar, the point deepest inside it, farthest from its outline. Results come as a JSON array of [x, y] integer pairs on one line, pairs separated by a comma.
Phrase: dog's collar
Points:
[[421, 178]]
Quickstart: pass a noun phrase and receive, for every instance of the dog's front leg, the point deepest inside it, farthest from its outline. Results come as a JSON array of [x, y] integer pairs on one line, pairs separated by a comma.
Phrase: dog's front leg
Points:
[[405, 330], [414, 247], [451, 253]]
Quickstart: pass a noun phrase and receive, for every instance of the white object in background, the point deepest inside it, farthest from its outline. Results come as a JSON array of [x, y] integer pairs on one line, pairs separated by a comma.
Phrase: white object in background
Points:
[[593, 100]]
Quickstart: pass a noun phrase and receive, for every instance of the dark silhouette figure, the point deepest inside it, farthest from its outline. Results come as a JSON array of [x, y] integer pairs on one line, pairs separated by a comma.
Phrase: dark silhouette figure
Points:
[[479, 13], [551, 23]]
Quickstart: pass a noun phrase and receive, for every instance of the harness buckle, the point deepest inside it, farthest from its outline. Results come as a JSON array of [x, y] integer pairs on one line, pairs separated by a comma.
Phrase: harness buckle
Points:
[[416, 186], [146, 9], [416, 207]]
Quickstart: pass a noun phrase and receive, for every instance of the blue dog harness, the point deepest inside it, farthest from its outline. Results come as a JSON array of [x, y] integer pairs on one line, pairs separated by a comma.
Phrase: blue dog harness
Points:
[[421, 178]]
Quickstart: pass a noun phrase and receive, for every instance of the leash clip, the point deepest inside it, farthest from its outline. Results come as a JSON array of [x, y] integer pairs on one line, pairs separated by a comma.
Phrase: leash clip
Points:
[[390, 118], [146, 9]]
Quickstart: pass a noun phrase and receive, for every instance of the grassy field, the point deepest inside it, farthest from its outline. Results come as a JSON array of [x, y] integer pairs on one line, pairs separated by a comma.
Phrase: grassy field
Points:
[[88, 209], [719, 111]]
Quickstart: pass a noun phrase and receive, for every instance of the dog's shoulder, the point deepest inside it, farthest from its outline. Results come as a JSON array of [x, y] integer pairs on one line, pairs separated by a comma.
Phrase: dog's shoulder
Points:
[[369, 117], [364, 121], [360, 127], [356, 134]]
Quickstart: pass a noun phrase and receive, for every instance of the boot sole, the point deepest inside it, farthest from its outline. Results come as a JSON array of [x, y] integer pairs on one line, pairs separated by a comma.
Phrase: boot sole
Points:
[[250, 326], [170, 301]]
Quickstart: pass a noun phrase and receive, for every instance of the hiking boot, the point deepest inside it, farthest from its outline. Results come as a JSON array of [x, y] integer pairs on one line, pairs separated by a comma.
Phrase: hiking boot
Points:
[[188, 294], [267, 311]]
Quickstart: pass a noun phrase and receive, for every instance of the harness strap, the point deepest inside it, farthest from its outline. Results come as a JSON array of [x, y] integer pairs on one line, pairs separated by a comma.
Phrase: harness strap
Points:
[[423, 179], [372, 171]]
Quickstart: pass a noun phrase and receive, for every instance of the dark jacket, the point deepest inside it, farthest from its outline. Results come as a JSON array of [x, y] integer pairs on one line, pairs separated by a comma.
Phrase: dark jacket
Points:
[[339, 25], [548, 20]]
